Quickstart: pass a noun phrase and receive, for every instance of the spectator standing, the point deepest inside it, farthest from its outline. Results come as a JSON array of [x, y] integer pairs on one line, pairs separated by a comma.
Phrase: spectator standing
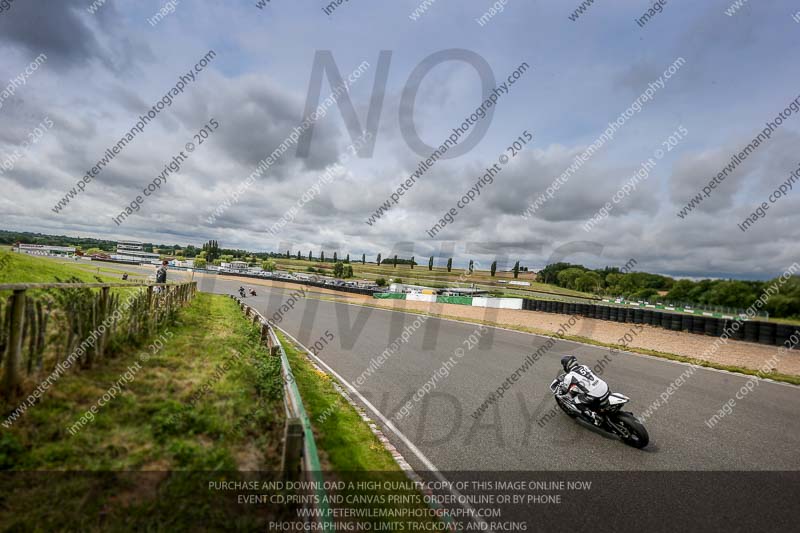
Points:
[[161, 274]]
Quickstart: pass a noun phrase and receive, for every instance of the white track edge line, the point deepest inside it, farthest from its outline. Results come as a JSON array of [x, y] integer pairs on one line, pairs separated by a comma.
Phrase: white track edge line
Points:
[[416, 451]]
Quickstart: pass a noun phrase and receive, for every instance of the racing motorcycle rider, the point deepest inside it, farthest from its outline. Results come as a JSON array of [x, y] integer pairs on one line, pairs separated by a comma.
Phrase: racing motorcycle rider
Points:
[[583, 386]]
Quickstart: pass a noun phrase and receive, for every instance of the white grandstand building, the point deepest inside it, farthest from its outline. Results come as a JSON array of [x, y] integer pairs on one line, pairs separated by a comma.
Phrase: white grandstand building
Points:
[[133, 251], [43, 249]]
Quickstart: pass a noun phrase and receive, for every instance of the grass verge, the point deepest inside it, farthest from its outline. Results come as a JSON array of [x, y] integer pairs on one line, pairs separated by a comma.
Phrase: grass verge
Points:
[[350, 451], [209, 401]]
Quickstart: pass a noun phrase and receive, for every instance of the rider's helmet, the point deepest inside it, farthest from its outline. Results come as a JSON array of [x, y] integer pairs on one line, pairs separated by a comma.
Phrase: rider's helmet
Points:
[[568, 362]]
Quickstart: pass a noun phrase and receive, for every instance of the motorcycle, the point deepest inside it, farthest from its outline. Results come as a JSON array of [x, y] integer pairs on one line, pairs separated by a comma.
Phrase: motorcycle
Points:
[[253, 292], [609, 415], [241, 292]]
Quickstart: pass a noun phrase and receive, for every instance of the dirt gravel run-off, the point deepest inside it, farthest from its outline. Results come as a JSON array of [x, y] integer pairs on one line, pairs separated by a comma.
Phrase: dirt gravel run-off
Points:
[[735, 353]]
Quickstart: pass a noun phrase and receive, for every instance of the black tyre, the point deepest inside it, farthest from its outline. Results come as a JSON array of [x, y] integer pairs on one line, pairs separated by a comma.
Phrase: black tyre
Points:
[[638, 436], [766, 333]]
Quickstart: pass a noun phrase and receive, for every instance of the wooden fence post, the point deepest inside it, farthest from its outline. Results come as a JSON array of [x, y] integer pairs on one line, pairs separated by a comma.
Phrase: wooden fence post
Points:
[[150, 310], [292, 450], [101, 342], [11, 373]]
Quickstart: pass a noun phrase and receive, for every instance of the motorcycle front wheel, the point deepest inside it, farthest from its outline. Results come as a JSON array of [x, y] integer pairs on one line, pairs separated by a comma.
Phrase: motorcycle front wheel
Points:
[[635, 433]]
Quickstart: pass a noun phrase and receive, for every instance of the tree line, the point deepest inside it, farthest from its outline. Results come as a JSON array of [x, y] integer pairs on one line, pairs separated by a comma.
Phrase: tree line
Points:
[[612, 281]]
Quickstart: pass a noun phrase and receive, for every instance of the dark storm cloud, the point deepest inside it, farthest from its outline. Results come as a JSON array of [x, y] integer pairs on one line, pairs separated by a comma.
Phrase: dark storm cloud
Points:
[[59, 29]]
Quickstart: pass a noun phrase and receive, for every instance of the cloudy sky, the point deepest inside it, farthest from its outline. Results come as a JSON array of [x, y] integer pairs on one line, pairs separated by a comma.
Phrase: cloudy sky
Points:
[[105, 69]]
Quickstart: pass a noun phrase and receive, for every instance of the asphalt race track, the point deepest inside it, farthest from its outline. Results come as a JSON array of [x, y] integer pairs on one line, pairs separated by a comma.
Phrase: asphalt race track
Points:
[[762, 433]]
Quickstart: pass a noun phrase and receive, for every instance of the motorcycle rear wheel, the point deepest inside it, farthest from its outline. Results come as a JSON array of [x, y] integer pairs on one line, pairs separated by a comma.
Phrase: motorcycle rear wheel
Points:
[[637, 434]]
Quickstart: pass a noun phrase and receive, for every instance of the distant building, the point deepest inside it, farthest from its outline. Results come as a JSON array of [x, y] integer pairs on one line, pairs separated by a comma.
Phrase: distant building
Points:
[[188, 263], [43, 249], [238, 266], [133, 252], [411, 289], [455, 291]]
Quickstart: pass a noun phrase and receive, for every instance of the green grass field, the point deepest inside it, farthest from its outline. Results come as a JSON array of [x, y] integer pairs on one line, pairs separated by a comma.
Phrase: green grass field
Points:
[[23, 268]]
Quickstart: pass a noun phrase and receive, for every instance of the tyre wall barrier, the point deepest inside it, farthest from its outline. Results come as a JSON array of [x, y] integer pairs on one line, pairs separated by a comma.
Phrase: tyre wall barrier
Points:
[[655, 319], [737, 331], [760, 332], [766, 333], [711, 326], [787, 333], [751, 331]]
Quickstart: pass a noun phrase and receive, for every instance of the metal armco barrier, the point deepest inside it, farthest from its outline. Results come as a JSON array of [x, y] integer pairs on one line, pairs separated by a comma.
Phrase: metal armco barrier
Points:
[[300, 458]]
